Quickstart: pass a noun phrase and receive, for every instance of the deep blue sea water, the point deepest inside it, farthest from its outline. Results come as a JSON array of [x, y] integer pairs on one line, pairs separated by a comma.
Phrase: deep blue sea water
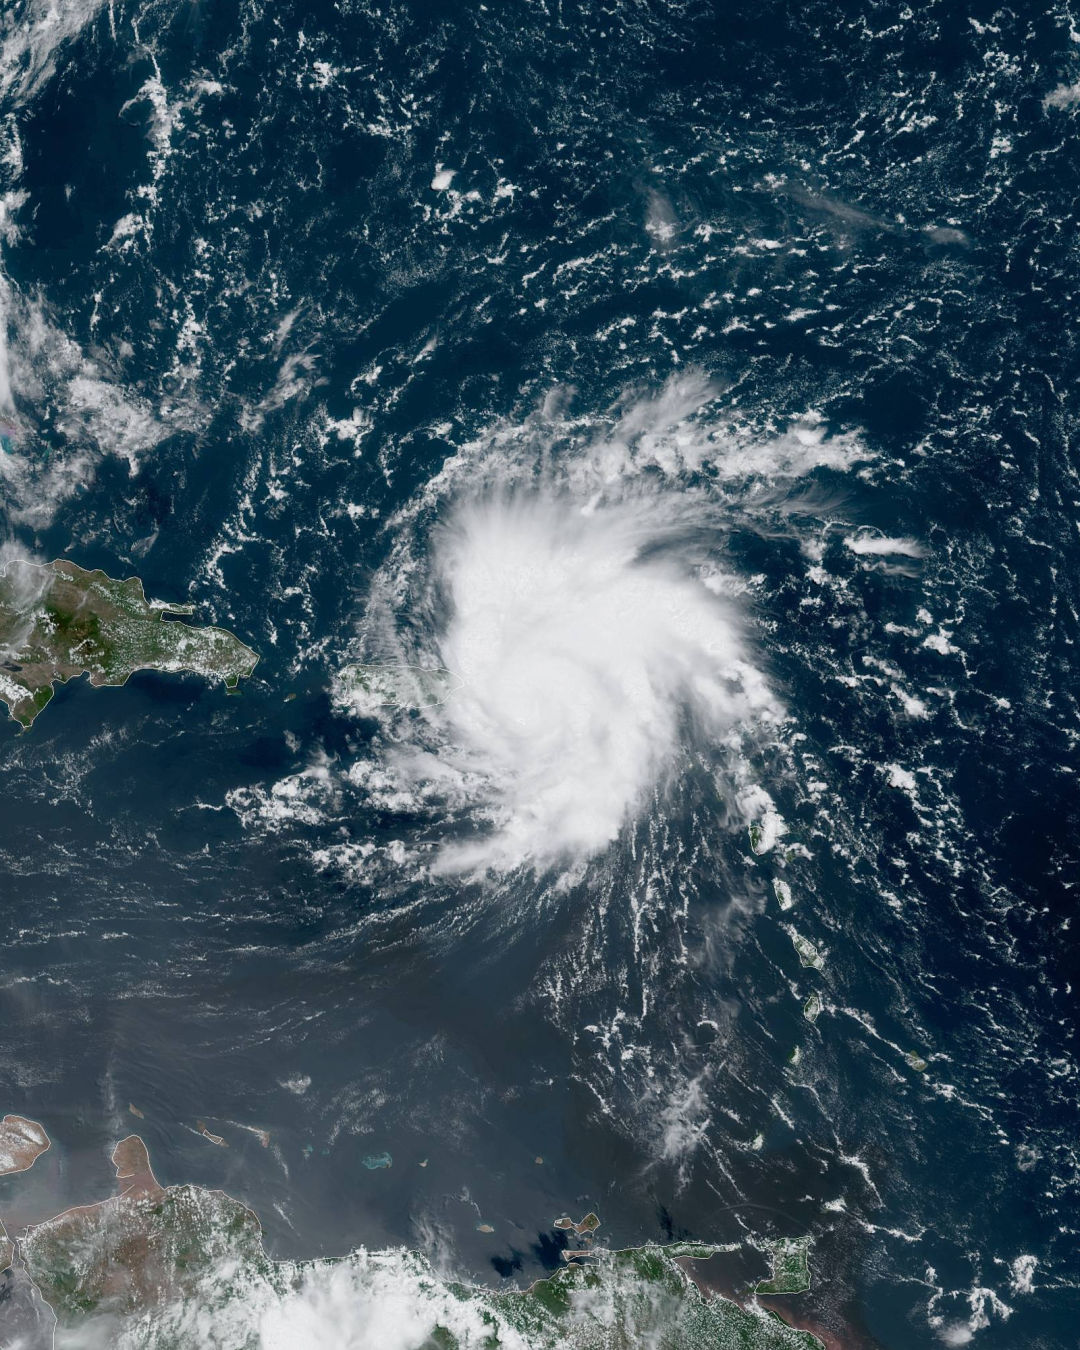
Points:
[[285, 288]]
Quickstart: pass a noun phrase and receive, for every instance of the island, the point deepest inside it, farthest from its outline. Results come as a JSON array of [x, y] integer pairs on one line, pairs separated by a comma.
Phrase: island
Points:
[[589, 1224], [58, 622], [790, 1269], [366, 688], [184, 1268], [807, 952]]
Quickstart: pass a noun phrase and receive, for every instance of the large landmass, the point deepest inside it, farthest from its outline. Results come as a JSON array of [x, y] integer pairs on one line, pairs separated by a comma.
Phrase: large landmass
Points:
[[184, 1268], [22, 1142], [58, 621]]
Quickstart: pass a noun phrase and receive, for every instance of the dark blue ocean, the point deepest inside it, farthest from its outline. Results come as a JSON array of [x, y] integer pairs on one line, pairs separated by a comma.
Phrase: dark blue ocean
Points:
[[334, 320]]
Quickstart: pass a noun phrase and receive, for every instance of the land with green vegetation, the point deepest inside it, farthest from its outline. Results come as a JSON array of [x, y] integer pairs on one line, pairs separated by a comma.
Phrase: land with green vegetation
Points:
[[58, 622], [790, 1268], [808, 953], [184, 1268], [366, 688], [22, 1142]]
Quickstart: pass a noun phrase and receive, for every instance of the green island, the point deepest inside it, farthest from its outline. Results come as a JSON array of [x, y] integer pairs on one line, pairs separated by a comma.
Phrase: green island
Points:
[[365, 688], [184, 1268], [807, 952], [790, 1271], [58, 622]]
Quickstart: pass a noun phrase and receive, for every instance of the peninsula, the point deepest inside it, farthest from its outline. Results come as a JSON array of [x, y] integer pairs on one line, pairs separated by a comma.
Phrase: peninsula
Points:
[[22, 1142]]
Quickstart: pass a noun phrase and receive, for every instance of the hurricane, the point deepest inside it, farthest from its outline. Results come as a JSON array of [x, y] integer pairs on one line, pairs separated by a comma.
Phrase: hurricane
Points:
[[584, 637], [538, 637], [571, 572]]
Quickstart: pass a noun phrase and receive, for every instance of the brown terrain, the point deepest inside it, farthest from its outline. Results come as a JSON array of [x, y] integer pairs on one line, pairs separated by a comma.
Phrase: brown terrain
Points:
[[145, 1246], [22, 1142], [132, 1163]]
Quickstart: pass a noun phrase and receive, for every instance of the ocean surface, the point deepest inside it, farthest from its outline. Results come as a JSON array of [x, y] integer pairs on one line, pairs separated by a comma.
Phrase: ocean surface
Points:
[[694, 382]]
